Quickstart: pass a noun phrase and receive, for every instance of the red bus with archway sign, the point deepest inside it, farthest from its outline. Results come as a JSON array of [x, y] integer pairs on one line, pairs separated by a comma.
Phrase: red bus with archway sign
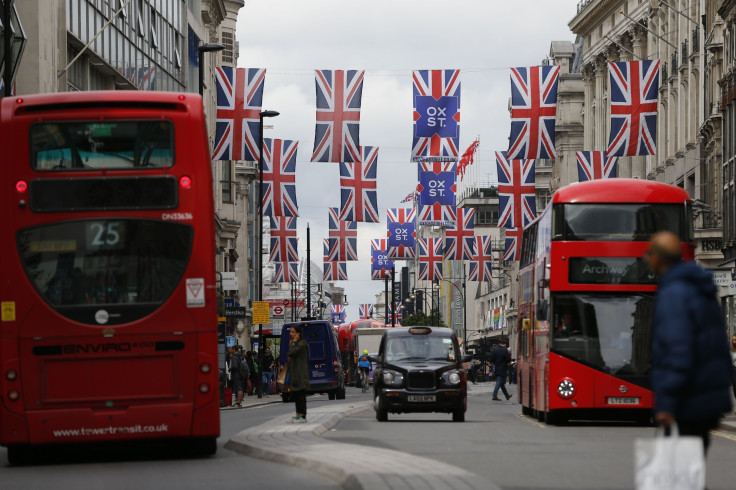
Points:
[[109, 324], [586, 298]]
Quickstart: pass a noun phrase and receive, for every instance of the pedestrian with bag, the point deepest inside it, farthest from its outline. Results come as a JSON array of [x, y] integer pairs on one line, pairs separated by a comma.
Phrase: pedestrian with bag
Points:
[[690, 361], [238, 374], [298, 373], [500, 358]]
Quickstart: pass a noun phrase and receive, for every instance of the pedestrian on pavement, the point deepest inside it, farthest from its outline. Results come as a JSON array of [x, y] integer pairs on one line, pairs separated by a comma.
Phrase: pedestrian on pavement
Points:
[[474, 371], [690, 362], [298, 373], [250, 358], [236, 375], [267, 365], [500, 358]]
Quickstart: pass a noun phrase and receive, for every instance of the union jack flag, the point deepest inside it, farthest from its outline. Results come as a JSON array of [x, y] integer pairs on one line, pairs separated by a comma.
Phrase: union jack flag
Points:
[[401, 233], [338, 313], [594, 165], [365, 311], [239, 103], [512, 244], [436, 115], [284, 242], [437, 193], [337, 132], [481, 265], [412, 197], [459, 240], [346, 235], [430, 259], [279, 177], [634, 98], [336, 270], [331, 249], [516, 191], [286, 272], [380, 264], [533, 112], [358, 196], [397, 308]]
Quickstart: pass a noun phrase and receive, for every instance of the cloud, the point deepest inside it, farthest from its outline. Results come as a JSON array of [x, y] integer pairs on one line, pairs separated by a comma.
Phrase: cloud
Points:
[[389, 38]]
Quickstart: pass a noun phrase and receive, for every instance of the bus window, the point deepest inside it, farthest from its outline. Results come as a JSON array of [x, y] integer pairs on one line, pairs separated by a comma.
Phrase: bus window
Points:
[[75, 145], [609, 332], [619, 222]]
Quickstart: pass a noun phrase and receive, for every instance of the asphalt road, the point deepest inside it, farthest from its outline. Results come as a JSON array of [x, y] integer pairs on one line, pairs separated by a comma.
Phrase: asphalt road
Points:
[[163, 466], [495, 442], [517, 452]]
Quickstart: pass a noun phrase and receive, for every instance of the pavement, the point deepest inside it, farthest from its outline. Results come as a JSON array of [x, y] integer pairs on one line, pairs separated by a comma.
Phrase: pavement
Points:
[[253, 401], [352, 466]]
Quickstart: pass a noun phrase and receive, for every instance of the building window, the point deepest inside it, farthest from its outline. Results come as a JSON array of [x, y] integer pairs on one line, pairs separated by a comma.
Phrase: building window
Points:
[[543, 198], [228, 53], [227, 184], [154, 29], [486, 215], [141, 29]]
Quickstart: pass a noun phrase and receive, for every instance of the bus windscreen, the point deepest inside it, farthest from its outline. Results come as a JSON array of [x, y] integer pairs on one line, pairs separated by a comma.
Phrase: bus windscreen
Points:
[[94, 145], [618, 222]]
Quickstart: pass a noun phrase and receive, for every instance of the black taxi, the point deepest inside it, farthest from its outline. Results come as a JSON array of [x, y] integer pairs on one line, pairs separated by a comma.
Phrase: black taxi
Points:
[[419, 369]]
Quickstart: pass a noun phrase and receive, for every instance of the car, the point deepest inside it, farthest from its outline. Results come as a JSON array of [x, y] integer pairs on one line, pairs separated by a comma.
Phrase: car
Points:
[[419, 369], [324, 362]]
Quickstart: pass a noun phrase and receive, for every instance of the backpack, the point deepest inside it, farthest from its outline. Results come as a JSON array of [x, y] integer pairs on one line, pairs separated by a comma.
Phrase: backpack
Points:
[[243, 368]]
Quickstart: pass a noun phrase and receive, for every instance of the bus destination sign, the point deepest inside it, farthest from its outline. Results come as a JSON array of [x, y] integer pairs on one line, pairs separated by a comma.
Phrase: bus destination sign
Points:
[[610, 270]]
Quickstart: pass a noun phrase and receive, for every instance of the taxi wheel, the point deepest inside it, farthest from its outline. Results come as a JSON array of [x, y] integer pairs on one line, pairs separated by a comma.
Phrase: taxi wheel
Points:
[[381, 413]]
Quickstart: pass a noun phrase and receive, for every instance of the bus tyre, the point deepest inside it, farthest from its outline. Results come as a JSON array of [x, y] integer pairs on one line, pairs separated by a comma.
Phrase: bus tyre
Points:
[[19, 454]]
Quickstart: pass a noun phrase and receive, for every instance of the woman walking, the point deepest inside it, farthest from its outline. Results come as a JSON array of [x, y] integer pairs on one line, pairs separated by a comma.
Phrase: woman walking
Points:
[[298, 373]]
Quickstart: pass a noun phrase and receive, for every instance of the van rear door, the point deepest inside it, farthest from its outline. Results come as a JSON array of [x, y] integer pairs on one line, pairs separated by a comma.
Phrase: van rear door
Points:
[[321, 369]]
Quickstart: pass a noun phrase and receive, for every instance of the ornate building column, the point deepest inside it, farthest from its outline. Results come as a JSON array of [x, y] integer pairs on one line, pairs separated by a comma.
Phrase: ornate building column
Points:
[[589, 107]]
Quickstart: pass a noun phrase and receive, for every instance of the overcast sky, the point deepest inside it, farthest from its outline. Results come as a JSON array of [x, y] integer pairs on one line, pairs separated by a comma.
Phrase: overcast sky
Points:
[[389, 39]]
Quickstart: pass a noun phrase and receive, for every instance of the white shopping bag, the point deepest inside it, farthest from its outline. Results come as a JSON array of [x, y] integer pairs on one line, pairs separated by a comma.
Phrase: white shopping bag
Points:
[[669, 463]]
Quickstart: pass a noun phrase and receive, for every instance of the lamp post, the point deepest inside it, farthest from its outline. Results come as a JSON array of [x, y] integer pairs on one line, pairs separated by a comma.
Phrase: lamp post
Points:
[[260, 232], [205, 48], [462, 294]]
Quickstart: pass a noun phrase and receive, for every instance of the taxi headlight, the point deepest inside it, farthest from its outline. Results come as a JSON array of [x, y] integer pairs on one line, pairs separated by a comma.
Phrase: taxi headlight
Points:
[[451, 378], [392, 378]]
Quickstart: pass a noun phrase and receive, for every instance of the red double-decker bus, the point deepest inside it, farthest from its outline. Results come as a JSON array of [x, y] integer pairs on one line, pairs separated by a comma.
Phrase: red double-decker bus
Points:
[[586, 298], [109, 315]]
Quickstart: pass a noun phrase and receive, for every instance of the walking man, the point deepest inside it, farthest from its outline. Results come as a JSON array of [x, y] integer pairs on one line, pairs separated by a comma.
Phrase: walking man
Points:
[[238, 375], [500, 358], [267, 365], [690, 359]]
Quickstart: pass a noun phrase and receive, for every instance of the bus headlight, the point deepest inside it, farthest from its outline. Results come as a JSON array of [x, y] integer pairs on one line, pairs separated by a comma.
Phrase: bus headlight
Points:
[[566, 388], [392, 378]]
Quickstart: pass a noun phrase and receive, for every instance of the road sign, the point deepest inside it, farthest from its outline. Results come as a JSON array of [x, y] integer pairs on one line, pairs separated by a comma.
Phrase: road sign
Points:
[[288, 303], [195, 292], [278, 312], [229, 302], [235, 312], [261, 312], [229, 281]]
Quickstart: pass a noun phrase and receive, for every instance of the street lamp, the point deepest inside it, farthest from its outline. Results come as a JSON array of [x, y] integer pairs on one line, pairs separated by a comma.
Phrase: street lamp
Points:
[[260, 232], [205, 48]]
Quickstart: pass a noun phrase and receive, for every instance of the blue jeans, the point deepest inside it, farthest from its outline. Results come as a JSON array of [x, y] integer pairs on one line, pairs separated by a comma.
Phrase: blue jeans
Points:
[[500, 384], [266, 377]]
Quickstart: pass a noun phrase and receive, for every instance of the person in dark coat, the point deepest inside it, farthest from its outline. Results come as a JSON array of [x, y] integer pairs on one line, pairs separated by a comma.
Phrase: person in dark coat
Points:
[[690, 359], [500, 358], [298, 373]]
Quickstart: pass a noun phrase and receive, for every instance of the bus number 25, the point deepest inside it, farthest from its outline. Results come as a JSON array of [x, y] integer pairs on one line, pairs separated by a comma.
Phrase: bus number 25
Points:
[[105, 234]]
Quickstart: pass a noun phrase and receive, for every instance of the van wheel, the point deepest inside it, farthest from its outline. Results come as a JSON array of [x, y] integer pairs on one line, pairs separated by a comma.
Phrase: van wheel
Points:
[[285, 397], [341, 393], [331, 395]]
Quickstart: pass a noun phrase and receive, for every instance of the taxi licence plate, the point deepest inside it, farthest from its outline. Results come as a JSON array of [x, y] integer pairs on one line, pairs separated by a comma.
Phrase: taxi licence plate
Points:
[[622, 400], [422, 398]]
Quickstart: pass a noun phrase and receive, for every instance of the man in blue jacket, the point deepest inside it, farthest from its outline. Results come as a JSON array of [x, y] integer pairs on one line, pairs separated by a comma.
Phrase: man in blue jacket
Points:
[[690, 357]]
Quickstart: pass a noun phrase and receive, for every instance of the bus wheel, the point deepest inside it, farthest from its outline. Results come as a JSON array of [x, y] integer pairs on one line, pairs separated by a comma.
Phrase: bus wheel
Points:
[[526, 410], [551, 418]]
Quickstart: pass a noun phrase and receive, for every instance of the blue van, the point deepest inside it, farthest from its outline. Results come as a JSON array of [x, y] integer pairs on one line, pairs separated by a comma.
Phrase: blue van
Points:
[[324, 362]]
